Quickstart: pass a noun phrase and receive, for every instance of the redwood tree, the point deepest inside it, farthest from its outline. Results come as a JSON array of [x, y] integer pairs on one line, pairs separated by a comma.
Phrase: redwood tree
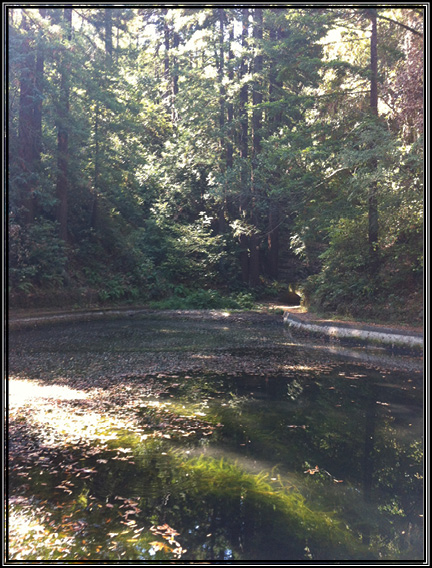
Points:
[[63, 134]]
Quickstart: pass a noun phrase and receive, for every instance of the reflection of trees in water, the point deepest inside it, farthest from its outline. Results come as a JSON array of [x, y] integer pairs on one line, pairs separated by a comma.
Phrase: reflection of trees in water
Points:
[[294, 389], [323, 412]]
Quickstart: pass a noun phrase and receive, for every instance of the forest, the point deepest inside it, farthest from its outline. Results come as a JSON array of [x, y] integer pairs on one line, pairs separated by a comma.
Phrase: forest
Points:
[[209, 157]]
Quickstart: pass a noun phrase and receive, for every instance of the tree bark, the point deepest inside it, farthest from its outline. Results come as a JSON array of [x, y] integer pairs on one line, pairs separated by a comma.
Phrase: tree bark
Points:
[[257, 97], [37, 115], [175, 79], [244, 177], [108, 35], [273, 242], [63, 137], [254, 267], [167, 48], [273, 120], [372, 197], [95, 214], [221, 71], [26, 128], [230, 106], [244, 94]]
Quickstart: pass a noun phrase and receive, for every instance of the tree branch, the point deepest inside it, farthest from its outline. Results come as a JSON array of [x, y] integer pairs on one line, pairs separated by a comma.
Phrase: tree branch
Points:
[[409, 28]]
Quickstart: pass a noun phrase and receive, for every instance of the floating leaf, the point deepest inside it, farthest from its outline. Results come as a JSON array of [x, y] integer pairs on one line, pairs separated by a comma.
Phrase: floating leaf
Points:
[[312, 471]]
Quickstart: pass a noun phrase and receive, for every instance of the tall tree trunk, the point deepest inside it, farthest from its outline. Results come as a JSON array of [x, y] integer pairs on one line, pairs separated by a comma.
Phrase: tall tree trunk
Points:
[[63, 137], [37, 114], [254, 268], [26, 128], [94, 222], [372, 198], [229, 128], [166, 32], [243, 119], [174, 79], [257, 97], [108, 35], [273, 241], [221, 14], [221, 70], [171, 43], [230, 106], [244, 96], [273, 120]]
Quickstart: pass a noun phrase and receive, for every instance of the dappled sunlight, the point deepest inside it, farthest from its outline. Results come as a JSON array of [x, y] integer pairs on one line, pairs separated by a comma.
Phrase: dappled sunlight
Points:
[[22, 391], [307, 368], [60, 414], [27, 526]]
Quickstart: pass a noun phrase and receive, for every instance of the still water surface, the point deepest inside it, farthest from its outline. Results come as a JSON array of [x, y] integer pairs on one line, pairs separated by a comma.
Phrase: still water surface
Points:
[[211, 438]]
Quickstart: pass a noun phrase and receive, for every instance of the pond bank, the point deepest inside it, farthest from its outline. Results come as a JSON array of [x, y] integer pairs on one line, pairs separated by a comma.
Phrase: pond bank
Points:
[[293, 317], [370, 334]]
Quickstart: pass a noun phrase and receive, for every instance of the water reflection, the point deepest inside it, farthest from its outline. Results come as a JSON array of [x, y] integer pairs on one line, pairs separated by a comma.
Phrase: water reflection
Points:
[[321, 460]]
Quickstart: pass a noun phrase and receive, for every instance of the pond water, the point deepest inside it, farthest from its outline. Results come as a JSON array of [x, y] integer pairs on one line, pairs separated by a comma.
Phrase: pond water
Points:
[[199, 437]]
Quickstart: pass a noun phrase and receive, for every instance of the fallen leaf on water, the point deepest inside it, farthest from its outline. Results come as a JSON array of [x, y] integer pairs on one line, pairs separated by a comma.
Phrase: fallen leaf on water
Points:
[[159, 545]]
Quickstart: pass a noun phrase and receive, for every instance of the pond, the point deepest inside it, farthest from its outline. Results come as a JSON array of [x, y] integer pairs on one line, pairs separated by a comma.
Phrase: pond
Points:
[[210, 436]]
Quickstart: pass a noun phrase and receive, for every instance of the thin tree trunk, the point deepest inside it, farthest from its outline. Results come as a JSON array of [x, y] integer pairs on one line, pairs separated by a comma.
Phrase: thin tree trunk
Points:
[[372, 198], [273, 242], [221, 70], [244, 92], [108, 35], [94, 216], [166, 31], [175, 79], [230, 106], [25, 128], [273, 120], [229, 128], [37, 115], [257, 92], [63, 138], [254, 268], [243, 119]]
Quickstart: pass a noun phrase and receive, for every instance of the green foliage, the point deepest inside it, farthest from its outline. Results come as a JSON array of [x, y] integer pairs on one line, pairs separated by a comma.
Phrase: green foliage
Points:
[[343, 284], [193, 253], [166, 189], [37, 257], [185, 299]]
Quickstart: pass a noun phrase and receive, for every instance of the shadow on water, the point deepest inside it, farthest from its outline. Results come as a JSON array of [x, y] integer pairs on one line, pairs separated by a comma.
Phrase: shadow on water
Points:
[[161, 439]]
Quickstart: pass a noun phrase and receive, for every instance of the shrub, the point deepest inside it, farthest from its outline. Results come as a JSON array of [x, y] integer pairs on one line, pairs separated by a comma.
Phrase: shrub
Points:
[[187, 299], [37, 256], [343, 284]]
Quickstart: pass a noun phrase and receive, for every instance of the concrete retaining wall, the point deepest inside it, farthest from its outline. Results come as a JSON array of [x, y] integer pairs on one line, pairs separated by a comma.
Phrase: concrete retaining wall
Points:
[[363, 335]]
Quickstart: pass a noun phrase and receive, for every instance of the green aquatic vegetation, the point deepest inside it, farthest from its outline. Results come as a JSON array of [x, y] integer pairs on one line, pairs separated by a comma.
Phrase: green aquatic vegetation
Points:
[[280, 513]]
